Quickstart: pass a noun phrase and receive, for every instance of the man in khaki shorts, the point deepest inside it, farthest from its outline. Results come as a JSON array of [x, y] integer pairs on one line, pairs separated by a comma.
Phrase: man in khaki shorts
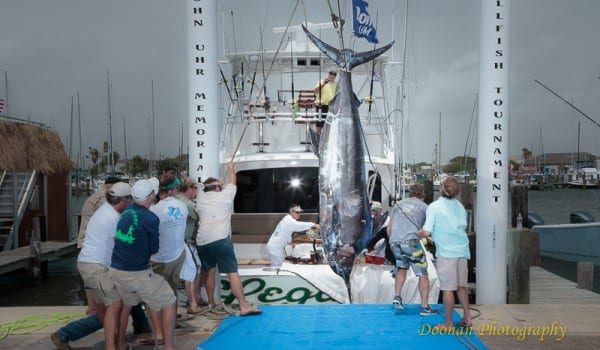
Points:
[[136, 239], [446, 222], [93, 260]]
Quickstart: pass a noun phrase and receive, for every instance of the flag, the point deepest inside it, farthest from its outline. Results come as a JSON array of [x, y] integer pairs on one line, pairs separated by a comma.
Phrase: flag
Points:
[[363, 25], [1, 105]]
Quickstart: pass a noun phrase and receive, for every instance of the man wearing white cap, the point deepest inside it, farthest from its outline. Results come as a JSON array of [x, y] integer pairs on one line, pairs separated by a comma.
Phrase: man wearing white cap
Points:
[[283, 234], [136, 239], [93, 263]]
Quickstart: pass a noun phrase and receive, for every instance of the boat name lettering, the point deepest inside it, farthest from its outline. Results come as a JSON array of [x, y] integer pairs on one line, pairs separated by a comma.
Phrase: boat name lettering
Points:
[[273, 294]]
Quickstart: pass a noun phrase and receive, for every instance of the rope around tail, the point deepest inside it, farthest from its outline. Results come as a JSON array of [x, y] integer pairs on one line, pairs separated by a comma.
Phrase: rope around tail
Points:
[[30, 324]]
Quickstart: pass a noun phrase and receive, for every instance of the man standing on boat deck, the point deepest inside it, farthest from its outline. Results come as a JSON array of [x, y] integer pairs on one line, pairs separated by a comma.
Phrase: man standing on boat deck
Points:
[[325, 91], [283, 234], [406, 220], [136, 239], [214, 207], [446, 222]]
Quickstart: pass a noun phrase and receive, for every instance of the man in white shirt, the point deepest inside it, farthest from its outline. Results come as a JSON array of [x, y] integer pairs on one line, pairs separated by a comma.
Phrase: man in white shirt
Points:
[[95, 257], [283, 234], [215, 248], [172, 214]]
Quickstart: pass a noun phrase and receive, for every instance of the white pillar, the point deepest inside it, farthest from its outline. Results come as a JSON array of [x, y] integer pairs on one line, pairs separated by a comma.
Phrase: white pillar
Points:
[[203, 95], [203, 89], [491, 213]]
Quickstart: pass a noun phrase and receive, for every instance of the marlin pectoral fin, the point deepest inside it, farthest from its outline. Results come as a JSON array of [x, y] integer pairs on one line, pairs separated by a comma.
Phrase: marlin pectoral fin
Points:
[[357, 102], [314, 140], [347, 58]]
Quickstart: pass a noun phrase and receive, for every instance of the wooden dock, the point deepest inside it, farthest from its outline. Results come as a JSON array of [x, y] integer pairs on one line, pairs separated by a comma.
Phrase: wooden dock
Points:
[[22, 257], [548, 288]]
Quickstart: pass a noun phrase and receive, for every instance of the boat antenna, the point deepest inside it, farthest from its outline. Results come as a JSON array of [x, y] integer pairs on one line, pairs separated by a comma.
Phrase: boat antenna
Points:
[[370, 99], [262, 61], [226, 84], [233, 28], [292, 67], [256, 65]]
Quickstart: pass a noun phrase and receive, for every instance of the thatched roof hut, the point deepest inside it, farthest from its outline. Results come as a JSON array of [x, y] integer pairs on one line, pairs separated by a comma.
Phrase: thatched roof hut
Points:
[[27, 147]]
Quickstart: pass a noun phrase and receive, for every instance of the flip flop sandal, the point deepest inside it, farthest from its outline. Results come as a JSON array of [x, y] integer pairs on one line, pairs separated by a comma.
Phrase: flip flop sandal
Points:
[[463, 324], [252, 312], [149, 341]]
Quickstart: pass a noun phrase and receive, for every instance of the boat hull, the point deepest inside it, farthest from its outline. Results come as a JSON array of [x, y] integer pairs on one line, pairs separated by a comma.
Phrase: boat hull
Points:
[[570, 242]]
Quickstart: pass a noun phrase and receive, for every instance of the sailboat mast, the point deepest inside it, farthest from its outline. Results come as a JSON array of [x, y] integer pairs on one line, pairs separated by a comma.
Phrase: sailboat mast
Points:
[[110, 140], [439, 156], [151, 168], [71, 132], [6, 93], [81, 157], [125, 147]]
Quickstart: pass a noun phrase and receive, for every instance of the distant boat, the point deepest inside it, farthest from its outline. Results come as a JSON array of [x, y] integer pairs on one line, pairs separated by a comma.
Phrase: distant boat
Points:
[[585, 178]]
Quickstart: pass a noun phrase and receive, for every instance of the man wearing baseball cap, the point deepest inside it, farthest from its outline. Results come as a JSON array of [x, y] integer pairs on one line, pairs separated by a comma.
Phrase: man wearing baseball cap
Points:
[[283, 234], [93, 264]]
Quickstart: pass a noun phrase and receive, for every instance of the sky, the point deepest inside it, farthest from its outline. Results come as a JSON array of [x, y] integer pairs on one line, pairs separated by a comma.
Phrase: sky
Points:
[[52, 50]]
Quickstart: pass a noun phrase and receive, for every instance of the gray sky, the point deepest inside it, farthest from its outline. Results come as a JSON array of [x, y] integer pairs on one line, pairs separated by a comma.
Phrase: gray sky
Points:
[[54, 49]]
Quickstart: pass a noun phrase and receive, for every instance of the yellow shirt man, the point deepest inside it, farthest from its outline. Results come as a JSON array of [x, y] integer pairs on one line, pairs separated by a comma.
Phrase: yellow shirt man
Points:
[[325, 90]]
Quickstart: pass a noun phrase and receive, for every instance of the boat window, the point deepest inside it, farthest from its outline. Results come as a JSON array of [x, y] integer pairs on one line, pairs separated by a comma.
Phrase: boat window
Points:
[[301, 62], [314, 62], [272, 190]]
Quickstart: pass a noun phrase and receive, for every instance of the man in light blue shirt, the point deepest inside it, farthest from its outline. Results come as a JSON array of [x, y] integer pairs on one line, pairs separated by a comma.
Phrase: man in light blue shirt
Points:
[[446, 223]]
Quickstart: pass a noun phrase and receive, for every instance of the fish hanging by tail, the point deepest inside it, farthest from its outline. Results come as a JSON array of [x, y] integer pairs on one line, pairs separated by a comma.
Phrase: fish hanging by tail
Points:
[[343, 200]]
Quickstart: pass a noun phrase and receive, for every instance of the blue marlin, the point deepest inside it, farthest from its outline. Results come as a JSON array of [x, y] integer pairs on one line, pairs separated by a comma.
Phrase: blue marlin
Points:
[[343, 200]]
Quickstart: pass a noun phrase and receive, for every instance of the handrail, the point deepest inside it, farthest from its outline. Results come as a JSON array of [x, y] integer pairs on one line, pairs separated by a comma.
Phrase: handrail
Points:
[[24, 196]]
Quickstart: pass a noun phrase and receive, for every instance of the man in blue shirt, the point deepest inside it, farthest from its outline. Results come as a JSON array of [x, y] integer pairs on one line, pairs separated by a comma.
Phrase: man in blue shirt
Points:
[[136, 240]]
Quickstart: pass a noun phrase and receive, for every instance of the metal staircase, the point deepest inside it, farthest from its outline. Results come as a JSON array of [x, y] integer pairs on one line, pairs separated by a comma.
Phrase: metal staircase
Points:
[[16, 190]]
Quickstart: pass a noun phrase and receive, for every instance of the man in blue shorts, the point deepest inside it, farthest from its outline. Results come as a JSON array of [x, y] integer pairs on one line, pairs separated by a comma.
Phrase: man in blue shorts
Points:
[[214, 207], [407, 218]]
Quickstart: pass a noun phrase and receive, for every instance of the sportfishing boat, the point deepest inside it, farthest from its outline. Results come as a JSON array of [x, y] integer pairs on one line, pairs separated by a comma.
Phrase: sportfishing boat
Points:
[[271, 130]]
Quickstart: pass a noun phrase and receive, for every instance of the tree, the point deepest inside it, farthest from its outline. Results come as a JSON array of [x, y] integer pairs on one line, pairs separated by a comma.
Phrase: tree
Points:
[[139, 165], [167, 164], [526, 155], [458, 164]]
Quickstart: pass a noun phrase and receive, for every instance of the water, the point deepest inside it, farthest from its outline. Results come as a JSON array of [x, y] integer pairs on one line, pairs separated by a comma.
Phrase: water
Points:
[[64, 287], [556, 206]]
